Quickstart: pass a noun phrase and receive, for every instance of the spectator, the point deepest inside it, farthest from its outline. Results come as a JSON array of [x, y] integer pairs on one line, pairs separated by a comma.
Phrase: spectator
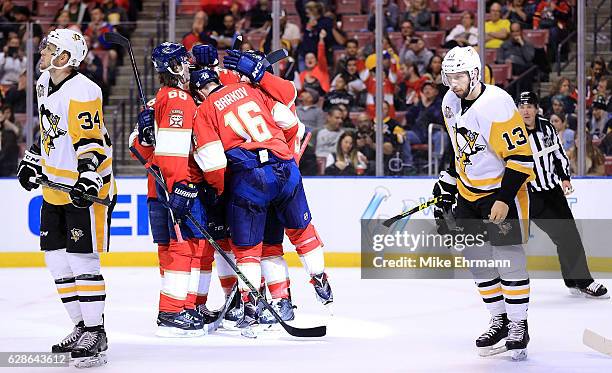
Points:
[[21, 14], [351, 51], [9, 149], [198, 32], [566, 135], [419, 116], [497, 30], [62, 20], [517, 11], [599, 117], [313, 22], [562, 88], [346, 160], [464, 34], [416, 11], [15, 97], [390, 16], [225, 36], [555, 16], [389, 81], [409, 89], [93, 68], [78, 13], [596, 72], [96, 30], [417, 53], [594, 158], [316, 74], [394, 136], [260, 15], [338, 95], [355, 86], [520, 54], [557, 106], [290, 33], [308, 111], [327, 137], [434, 73], [12, 62], [338, 35], [118, 18], [407, 31], [365, 137], [346, 120]]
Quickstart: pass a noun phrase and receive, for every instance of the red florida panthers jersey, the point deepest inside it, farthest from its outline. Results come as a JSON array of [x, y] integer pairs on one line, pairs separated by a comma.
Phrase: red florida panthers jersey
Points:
[[174, 113], [239, 115]]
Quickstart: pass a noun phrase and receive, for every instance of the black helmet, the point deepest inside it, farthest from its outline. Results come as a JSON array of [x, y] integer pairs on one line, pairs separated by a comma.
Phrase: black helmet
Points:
[[528, 97]]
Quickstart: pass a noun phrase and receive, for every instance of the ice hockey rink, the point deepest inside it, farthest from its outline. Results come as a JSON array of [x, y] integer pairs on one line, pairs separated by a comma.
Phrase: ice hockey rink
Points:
[[378, 326]]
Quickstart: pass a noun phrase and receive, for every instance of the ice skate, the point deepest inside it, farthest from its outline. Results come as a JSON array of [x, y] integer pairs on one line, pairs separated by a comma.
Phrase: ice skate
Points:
[[498, 330], [68, 343], [594, 291], [283, 307], [518, 338], [88, 351], [323, 290], [178, 325], [249, 320]]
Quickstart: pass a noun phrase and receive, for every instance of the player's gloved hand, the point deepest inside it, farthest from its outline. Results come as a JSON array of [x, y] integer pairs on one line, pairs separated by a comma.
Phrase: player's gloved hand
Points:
[[89, 182], [251, 65], [146, 127], [205, 55], [182, 198], [29, 167], [446, 187]]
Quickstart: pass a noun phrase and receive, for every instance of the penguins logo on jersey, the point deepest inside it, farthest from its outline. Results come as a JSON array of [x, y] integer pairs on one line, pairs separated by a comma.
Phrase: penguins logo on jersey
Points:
[[76, 234], [466, 145], [49, 126]]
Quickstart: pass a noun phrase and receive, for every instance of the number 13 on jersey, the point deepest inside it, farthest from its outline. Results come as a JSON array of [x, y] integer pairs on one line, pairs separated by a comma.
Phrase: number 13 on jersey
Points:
[[248, 123]]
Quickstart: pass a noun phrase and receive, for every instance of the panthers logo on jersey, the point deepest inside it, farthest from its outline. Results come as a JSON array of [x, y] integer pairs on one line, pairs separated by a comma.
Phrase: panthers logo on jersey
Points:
[[466, 146], [49, 128]]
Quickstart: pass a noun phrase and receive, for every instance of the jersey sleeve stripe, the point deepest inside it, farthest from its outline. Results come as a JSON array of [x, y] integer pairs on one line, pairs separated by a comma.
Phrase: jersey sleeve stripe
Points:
[[211, 156], [283, 117], [84, 142], [519, 157], [519, 167], [173, 142]]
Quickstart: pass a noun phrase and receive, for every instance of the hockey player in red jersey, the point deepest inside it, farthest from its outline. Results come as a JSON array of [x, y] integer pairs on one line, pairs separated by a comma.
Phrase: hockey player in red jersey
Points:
[[240, 127], [174, 109]]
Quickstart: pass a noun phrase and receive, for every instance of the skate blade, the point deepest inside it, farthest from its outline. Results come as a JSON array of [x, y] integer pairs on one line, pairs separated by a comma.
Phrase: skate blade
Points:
[[90, 361], [330, 308], [491, 351], [168, 332], [248, 332], [518, 355]]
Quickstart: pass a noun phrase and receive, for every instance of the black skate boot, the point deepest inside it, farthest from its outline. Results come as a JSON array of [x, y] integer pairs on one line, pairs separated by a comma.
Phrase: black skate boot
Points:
[[250, 319], [207, 315], [283, 307], [594, 290], [498, 330], [179, 324], [518, 338], [89, 348], [236, 310], [68, 343], [323, 289]]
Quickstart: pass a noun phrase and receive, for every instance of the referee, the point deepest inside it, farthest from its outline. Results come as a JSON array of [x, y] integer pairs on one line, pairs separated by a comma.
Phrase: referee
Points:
[[548, 206]]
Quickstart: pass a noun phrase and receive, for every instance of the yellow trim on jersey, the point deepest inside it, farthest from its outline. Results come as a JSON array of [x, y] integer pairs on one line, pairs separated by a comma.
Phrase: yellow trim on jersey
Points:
[[522, 197], [469, 195], [522, 169], [500, 145], [59, 172], [492, 181]]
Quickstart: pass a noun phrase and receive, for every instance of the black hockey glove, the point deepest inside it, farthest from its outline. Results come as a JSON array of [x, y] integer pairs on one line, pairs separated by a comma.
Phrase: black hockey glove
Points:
[[89, 182], [30, 167], [182, 198], [446, 187], [146, 127]]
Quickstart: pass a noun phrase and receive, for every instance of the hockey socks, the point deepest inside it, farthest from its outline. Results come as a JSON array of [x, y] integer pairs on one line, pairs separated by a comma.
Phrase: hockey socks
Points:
[[309, 248], [516, 296], [275, 271], [491, 293], [205, 273], [226, 274], [178, 277]]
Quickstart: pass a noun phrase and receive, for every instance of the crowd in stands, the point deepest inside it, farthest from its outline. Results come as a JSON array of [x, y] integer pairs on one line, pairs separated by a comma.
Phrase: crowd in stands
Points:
[[93, 18]]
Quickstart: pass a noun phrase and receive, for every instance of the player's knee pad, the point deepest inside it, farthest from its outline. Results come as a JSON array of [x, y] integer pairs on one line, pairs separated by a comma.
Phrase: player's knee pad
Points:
[[304, 240], [84, 264], [271, 250], [57, 263]]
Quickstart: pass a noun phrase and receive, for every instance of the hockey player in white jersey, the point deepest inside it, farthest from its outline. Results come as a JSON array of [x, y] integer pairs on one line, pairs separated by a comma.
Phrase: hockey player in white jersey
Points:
[[492, 164], [74, 149]]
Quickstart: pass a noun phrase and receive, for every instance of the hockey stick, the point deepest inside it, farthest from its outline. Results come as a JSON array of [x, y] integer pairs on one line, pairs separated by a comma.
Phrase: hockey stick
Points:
[[66, 188], [276, 56], [116, 38], [209, 328], [303, 147], [597, 342], [387, 223], [237, 42], [317, 331]]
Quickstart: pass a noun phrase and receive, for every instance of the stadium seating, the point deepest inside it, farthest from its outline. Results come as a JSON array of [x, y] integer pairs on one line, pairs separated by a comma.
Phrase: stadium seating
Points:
[[355, 23], [363, 38], [609, 165], [469, 5], [288, 6], [539, 38], [490, 55], [348, 7], [449, 20], [432, 39], [502, 73]]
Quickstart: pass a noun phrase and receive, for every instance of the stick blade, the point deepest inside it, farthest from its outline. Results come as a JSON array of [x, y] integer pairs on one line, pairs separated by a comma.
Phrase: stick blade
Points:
[[237, 42], [276, 56], [317, 331], [116, 38], [389, 222], [597, 342]]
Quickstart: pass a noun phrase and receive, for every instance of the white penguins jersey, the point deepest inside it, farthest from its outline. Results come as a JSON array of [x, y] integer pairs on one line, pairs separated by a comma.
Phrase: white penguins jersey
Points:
[[487, 138], [72, 124]]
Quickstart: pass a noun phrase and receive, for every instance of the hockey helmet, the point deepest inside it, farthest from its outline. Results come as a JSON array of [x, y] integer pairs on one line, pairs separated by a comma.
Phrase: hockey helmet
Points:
[[200, 78], [172, 58], [462, 59], [65, 40], [527, 97]]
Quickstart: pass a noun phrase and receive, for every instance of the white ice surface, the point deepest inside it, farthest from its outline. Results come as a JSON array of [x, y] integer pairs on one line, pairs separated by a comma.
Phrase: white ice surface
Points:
[[378, 326]]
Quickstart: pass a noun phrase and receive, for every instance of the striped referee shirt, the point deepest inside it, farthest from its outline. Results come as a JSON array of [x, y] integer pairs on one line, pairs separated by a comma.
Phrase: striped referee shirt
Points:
[[551, 165]]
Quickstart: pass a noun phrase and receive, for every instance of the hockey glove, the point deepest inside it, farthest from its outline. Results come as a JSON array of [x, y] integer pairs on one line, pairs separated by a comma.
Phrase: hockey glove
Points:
[[146, 127], [89, 182], [182, 198], [30, 167], [205, 55], [446, 187], [250, 65]]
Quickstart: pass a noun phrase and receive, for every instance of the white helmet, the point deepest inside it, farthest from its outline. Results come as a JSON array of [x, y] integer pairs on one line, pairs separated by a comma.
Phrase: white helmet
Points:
[[462, 59], [66, 40]]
